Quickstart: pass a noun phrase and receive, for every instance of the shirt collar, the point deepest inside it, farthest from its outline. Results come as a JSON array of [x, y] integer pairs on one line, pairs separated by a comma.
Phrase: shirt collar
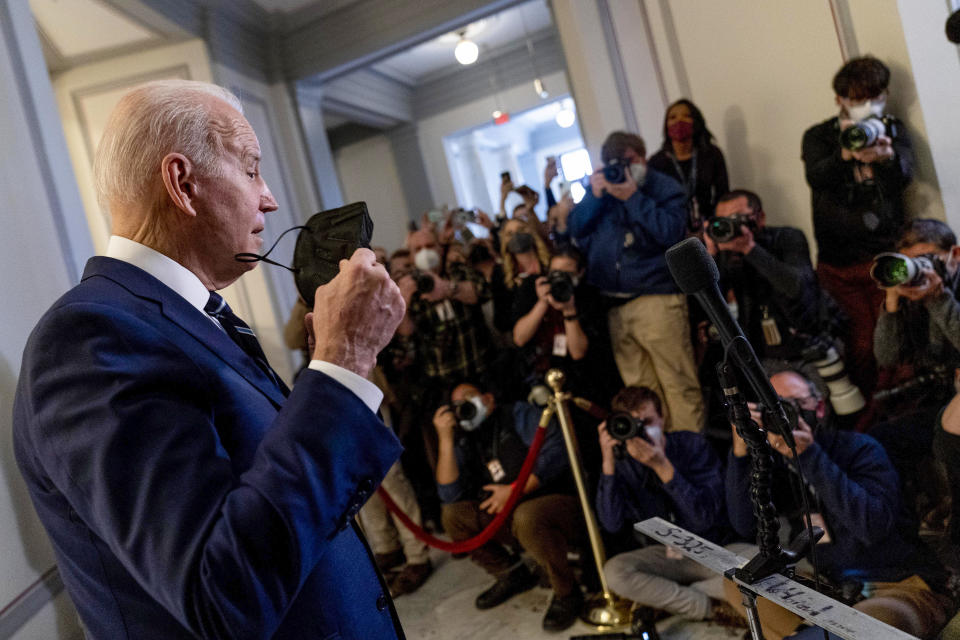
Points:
[[171, 273]]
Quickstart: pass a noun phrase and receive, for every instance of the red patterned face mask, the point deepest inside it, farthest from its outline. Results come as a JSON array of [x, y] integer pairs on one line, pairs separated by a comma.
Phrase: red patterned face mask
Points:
[[680, 131]]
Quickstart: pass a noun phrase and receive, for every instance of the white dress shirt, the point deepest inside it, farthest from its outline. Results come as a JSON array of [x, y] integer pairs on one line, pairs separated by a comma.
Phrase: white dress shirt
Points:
[[188, 286]]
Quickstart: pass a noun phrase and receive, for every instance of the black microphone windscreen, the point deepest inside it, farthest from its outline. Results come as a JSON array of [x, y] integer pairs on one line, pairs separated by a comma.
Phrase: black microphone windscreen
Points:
[[692, 268], [953, 27]]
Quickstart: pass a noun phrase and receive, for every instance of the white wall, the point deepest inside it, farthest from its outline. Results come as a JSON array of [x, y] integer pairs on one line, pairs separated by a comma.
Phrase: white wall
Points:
[[432, 131], [368, 173], [47, 244]]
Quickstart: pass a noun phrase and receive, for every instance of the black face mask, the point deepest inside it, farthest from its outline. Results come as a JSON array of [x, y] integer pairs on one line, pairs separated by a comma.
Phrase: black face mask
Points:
[[520, 243], [810, 417], [327, 238]]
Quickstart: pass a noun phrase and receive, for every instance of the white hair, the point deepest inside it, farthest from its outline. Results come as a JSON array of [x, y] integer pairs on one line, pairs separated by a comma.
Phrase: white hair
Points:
[[150, 121]]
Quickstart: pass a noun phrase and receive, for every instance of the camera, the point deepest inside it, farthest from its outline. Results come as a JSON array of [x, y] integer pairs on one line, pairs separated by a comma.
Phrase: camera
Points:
[[845, 397], [464, 411], [623, 426], [615, 171], [892, 269], [460, 216], [425, 282], [561, 285], [866, 132], [725, 229]]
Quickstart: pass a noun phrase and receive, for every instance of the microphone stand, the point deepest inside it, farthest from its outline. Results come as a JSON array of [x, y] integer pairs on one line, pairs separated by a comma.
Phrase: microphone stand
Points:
[[771, 558]]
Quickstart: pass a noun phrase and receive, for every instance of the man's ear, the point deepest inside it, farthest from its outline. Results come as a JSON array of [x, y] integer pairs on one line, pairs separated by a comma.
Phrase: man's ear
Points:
[[179, 179]]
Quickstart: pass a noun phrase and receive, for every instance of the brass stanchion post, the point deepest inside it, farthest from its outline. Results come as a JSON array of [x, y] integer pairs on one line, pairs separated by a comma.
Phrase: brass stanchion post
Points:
[[603, 610]]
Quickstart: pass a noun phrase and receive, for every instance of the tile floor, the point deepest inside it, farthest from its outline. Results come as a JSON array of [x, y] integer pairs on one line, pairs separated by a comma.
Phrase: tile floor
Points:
[[442, 609]]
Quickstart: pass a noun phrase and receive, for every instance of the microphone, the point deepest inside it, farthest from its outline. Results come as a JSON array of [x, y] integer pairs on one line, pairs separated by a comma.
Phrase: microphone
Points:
[[695, 272]]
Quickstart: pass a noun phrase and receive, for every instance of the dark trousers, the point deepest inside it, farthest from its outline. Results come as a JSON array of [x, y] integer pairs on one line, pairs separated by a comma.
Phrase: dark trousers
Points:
[[860, 298], [546, 526]]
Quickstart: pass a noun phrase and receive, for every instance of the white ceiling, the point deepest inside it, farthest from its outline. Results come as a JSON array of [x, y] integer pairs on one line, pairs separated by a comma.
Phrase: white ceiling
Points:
[[493, 32], [81, 27]]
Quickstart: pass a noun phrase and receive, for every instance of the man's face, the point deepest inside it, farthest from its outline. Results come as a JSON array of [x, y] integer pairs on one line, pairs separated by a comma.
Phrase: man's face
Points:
[[859, 108], [630, 156], [564, 263], [654, 421], [422, 240], [949, 258], [400, 266], [466, 392], [739, 207], [231, 206]]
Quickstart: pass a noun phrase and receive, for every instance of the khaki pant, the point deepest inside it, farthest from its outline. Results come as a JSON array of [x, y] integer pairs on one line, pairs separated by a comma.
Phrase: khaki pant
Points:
[[546, 526], [385, 533], [651, 344], [908, 605]]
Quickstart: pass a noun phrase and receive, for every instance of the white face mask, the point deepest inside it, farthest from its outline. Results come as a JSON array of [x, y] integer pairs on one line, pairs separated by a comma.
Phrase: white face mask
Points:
[[638, 171], [426, 260], [655, 433], [478, 418], [869, 108]]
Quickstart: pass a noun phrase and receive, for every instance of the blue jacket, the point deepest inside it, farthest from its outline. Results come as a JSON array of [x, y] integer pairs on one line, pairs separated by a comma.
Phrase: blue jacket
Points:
[[693, 499], [652, 220], [858, 490], [185, 497]]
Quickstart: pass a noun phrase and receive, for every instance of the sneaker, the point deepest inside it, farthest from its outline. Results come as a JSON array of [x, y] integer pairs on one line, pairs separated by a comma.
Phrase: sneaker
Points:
[[563, 612], [388, 561], [517, 581], [725, 615], [410, 578]]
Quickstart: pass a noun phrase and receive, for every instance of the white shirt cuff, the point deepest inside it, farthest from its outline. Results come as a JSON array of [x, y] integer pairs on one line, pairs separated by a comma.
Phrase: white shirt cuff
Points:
[[368, 392]]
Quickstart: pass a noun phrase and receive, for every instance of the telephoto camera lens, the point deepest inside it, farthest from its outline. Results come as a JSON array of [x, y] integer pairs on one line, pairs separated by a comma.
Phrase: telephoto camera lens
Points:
[[561, 285], [893, 269], [862, 134], [623, 426], [615, 171], [722, 229], [464, 410]]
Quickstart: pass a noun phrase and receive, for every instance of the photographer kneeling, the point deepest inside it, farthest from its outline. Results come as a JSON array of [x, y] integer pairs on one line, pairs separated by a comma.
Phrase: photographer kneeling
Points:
[[648, 473], [482, 448], [919, 327], [870, 551]]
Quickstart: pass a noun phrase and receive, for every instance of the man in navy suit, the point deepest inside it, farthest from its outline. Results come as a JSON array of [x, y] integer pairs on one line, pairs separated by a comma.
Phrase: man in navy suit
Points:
[[187, 492]]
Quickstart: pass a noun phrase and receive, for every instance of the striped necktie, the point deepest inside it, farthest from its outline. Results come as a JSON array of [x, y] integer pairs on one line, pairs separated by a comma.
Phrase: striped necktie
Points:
[[242, 334]]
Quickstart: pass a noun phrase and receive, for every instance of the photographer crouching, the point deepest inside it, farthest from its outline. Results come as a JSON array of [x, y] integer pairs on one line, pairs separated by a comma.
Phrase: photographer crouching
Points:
[[918, 331], [774, 289]]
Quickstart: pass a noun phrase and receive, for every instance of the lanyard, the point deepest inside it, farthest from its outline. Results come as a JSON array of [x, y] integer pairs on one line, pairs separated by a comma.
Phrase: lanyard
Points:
[[691, 185]]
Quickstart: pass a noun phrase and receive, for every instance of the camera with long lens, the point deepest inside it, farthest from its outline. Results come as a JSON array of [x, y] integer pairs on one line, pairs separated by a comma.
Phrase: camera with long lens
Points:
[[845, 397], [865, 133], [561, 285], [893, 269], [937, 379], [726, 228], [622, 426]]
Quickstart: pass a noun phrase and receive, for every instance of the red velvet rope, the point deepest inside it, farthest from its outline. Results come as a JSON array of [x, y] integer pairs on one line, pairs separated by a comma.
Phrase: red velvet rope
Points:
[[465, 546]]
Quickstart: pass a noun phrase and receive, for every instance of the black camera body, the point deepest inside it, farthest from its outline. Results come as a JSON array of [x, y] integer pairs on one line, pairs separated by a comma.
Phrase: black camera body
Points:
[[561, 285], [725, 229], [616, 170], [622, 426], [865, 133], [425, 282]]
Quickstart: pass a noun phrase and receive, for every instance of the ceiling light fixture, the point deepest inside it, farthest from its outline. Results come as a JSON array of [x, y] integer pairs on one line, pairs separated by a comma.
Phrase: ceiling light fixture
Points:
[[565, 117], [466, 52]]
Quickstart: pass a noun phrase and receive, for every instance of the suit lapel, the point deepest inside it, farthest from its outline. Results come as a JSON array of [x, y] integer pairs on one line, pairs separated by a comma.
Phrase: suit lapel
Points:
[[195, 322]]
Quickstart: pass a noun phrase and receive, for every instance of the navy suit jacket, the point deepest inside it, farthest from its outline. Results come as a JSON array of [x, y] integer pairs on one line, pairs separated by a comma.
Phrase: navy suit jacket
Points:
[[183, 494]]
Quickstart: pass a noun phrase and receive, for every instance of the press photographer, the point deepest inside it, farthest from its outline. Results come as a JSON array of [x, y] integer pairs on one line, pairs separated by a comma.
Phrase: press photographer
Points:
[[648, 473], [870, 552], [857, 198], [779, 303], [918, 334], [482, 448], [626, 221]]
